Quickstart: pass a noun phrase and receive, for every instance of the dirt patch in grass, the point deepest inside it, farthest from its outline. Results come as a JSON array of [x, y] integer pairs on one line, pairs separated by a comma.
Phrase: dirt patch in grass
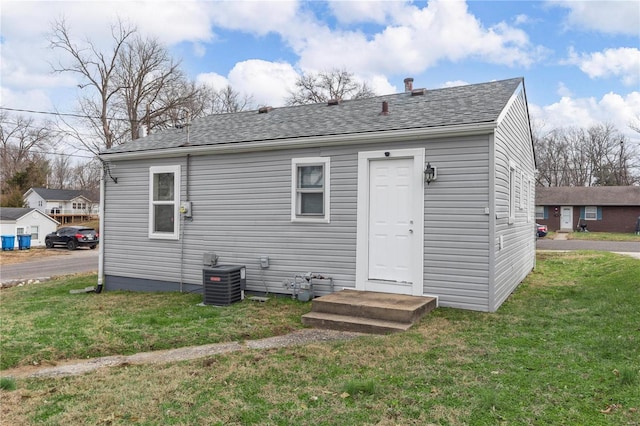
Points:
[[10, 257]]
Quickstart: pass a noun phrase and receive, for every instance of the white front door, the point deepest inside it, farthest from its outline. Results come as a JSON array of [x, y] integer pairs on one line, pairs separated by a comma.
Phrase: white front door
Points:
[[390, 221], [566, 218]]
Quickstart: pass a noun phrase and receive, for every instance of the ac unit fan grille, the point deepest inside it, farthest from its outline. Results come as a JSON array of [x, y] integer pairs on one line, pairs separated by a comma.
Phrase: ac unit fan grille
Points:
[[222, 285]]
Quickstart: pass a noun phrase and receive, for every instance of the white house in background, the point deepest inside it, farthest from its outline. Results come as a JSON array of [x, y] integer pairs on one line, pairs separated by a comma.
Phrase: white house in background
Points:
[[426, 192], [24, 221], [65, 205]]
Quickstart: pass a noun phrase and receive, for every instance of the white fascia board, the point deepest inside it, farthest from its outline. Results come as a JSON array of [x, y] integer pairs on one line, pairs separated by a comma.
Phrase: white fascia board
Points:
[[306, 142]]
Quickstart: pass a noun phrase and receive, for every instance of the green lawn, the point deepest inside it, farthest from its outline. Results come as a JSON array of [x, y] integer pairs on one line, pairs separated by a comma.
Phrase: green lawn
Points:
[[603, 236], [564, 349]]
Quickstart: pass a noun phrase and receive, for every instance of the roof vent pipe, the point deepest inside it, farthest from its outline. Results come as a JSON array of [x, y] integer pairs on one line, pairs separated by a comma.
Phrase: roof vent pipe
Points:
[[408, 84], [385, 108]]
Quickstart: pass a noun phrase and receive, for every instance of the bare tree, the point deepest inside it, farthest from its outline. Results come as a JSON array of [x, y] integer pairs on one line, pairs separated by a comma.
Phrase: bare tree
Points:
[[61, 174], [135, 82], [97, 70], [154, 89], [597, 156], [226, 100], [87, 176], [325, 85], [23, 163]]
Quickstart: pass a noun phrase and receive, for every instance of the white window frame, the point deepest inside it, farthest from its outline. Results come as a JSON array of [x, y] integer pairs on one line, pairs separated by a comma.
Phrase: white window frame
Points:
[[590, 210], [175, 202], [20, 231], [35, 230], [540, 212], [296, 216], [512, 192]]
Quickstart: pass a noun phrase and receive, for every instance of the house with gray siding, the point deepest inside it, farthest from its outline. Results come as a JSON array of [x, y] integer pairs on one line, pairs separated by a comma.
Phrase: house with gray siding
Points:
[[425, 192]]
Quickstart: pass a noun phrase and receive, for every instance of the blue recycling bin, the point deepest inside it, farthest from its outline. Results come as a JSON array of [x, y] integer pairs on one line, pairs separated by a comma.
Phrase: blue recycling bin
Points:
[[8, 242], [24, 242]]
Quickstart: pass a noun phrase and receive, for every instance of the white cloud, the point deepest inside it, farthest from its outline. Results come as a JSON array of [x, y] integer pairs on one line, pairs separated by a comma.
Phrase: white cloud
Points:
[[267, 82], [213, 80], [257, 17], [623, 62], [584, 112], [614, 17], [378, 12], [564, 91], [440, 31], [454, 83]]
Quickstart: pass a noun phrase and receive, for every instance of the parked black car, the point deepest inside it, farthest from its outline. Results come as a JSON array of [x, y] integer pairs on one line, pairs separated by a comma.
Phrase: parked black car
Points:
[[73, 237]]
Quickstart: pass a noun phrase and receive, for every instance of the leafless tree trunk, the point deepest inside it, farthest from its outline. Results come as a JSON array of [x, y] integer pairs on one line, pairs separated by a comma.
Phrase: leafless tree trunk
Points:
[[97, 70], [326, 85], [135, 83]]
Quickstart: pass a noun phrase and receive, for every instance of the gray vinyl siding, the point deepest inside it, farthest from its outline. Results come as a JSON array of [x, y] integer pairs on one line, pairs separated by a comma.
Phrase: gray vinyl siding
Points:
[[517, 257], [456, 246], [241, 205]]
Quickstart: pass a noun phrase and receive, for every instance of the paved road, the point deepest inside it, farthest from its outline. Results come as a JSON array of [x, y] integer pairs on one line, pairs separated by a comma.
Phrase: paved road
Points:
[[70, 262], [615, 246]]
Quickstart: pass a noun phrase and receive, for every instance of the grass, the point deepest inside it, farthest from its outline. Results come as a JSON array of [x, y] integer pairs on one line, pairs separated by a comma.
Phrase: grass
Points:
[[564, 349], [43, 323], [604, 236]]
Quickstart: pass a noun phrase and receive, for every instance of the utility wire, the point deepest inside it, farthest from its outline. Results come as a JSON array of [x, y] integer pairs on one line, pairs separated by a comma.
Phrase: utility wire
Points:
[[58, 114]]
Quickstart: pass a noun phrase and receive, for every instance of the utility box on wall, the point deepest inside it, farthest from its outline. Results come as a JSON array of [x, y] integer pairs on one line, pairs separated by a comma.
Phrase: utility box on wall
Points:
[[223, 284]]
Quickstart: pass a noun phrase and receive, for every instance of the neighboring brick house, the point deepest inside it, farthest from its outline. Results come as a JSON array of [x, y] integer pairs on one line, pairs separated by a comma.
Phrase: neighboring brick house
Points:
[[600, 208]]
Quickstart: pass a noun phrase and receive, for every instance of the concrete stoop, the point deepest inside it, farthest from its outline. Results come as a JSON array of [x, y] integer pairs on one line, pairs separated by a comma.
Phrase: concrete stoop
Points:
[[367, 311]]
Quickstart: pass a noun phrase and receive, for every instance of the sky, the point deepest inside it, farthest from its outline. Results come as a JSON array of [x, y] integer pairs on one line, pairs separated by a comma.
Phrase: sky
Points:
[[580, 59]]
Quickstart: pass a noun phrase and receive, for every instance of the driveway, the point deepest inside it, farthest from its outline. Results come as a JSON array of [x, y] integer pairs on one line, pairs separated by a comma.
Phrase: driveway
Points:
[[66, 263]]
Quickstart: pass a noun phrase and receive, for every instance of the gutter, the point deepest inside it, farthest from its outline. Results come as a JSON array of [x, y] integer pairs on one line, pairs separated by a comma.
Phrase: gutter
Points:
[[306, 142], [101, 231]]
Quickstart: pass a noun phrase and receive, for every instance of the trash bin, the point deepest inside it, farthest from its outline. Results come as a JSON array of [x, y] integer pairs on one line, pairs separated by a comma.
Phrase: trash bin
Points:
[[24, 242], [8, 242]]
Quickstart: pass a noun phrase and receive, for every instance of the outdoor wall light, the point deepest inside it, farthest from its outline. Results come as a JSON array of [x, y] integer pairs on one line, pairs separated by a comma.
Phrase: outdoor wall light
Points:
[[430, 173]]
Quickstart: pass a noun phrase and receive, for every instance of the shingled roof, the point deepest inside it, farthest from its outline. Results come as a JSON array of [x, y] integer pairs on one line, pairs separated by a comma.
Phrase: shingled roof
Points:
[[588, 196], [13, 213], [462, 105], [61, 194]]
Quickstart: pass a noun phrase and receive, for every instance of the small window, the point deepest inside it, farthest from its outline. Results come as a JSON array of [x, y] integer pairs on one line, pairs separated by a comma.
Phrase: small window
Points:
[[164, 199], [39, 203], [512, 192], [20, 231], [34, 232], [591, 213], [310, 189], [540, 212], [74, 206]]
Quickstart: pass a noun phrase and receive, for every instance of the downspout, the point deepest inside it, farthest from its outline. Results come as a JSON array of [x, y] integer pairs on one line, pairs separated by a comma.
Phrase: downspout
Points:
[[101, 230]]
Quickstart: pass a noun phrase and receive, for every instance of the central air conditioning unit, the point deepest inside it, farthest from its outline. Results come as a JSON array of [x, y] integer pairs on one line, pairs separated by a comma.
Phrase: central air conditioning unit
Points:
[[223, 284]]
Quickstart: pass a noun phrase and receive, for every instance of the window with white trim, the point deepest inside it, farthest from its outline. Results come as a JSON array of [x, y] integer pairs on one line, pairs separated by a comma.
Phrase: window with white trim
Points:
[[512, 192], [310, 189], [20, 231], [540, 212], [591, 213], [34, 232], [164, 201]]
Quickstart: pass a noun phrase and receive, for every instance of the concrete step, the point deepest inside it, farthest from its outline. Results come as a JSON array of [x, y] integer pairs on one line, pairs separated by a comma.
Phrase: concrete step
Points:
[[349, 323], [369, 304], [367, 311]]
